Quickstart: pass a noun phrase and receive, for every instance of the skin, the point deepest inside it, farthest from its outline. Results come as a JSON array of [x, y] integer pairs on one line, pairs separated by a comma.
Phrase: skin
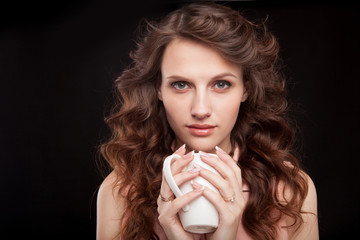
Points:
[[195, 90], [200, 87]]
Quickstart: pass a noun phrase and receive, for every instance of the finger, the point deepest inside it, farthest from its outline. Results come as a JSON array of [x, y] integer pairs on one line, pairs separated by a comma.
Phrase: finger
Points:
[[160, 201], [220, 165], [165, 189], [179, 203], [219, 201], [228, 169], [186, 176], [179, 164], [230, 161], [181, 150], [179, 176], [226, 209], [223, 186], [226, 157]]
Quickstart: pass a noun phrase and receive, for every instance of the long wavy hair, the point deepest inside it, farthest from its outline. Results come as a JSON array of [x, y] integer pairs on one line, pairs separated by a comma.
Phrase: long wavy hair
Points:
[[142, 138]]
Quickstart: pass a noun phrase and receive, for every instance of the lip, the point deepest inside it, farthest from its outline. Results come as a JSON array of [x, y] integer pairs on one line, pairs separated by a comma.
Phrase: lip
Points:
[[201, 129]]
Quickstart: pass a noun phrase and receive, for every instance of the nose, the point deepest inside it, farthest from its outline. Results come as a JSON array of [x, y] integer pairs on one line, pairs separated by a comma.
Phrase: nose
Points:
[[201, 106]]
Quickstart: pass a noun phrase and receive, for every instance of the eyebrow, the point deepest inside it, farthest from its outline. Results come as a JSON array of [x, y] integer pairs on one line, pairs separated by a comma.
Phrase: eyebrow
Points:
[[221, 75]]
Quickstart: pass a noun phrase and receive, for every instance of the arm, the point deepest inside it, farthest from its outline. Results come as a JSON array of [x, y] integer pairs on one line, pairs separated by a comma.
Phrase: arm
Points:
[[309, 230], [110, 208]]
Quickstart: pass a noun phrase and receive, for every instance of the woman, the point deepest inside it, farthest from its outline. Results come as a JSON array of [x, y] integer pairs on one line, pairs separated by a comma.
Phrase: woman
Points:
[[204, 78]]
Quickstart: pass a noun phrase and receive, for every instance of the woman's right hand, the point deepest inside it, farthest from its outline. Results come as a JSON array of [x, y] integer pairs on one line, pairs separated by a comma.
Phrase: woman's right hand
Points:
[[168, 206]]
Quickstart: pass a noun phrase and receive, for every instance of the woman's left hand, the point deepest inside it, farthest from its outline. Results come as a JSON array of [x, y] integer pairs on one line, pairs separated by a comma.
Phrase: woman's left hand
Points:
[[230, 202]]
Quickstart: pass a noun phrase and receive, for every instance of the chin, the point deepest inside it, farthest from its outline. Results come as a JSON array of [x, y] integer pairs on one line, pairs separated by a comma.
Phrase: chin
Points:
[[205, 147]]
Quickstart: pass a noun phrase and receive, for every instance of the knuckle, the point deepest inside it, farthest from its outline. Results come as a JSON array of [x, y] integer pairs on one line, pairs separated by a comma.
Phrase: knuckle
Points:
[[230, 219], [208, 173], [231, 174], [174, 167], [237, 172], [224, 185], [161, 218], [178, 165], [175, 205], [228, 185], [181, 178], [229, 158], [210, 194]]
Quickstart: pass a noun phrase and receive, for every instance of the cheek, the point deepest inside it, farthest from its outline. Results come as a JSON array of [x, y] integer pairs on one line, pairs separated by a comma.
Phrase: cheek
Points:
[[230, 114], [174, 109], [228, 110]]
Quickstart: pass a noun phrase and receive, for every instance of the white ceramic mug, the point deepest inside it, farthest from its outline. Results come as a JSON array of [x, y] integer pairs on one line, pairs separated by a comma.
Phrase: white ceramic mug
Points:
[[200, 216]]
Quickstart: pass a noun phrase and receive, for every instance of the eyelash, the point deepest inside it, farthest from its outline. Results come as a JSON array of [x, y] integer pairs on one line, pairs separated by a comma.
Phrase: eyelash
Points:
[[176, 84], [224, 82]]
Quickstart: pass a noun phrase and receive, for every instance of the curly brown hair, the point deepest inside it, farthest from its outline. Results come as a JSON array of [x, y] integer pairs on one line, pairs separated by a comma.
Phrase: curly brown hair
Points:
[[141, 136]]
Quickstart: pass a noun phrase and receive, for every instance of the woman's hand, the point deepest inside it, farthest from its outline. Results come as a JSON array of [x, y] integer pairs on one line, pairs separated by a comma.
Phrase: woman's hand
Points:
[[230, 203], [168, 206]]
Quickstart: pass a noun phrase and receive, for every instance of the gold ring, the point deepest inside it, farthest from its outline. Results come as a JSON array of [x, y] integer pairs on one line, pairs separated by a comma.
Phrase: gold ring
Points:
[[231, 199], [166, 199]]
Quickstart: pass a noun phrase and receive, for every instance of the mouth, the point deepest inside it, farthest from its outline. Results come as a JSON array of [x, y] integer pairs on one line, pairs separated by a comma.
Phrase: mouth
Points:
[[201, 129]]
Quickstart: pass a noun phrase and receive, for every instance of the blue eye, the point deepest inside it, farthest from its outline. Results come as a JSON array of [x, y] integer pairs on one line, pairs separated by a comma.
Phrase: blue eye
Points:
[[180, 85], [222, 84]]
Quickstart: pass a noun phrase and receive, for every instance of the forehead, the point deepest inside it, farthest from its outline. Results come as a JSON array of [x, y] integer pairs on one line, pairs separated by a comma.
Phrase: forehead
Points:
[[190, 59]]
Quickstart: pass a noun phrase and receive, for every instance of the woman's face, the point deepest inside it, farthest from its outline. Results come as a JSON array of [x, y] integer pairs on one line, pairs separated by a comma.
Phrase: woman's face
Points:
[[201, 93]]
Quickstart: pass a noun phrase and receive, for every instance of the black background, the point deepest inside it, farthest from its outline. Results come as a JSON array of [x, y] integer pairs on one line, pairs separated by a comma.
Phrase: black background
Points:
[[58, 62]]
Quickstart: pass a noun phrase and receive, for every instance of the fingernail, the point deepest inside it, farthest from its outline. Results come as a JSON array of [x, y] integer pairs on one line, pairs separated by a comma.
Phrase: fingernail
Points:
[[186, 208], [189, 155], [197, 186], [220, 150], [196, 168], [204, 154], [180, 148]]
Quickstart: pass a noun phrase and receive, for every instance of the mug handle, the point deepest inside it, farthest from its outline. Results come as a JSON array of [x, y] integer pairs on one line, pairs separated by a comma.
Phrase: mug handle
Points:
[[170, 179]]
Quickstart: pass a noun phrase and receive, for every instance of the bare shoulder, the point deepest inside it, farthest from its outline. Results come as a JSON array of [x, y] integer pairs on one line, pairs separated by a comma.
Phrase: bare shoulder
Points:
[[110, 207], [309, 230], [310, 204]]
